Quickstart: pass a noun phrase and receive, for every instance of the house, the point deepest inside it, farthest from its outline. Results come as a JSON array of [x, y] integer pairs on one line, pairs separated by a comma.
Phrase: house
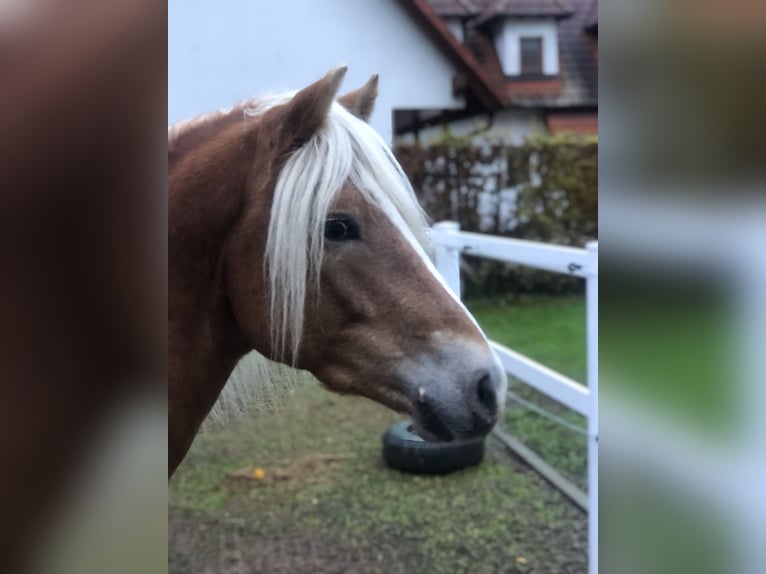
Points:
[[538, 58], [439, 60], [223, 52]]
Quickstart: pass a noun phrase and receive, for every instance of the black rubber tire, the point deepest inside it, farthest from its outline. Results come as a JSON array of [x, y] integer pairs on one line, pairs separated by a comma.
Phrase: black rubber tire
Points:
[[406, 451]]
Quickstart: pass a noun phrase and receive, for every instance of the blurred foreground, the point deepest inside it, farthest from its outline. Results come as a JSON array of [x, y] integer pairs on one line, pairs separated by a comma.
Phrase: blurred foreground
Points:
[[683, 236], [82, 294]]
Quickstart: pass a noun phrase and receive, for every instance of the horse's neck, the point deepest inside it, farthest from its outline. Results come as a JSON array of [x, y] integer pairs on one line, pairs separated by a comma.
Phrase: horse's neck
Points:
[[193, 134], [205, 201]]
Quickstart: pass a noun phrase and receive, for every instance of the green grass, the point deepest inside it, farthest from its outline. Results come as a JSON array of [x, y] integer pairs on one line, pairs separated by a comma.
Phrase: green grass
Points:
[[497, 517], [477, 520], [552, 332], [677, 352], [674, 349]]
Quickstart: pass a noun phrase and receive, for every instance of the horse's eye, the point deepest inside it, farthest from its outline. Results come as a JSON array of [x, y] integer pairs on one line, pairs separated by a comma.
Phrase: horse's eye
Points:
[[340, 229]]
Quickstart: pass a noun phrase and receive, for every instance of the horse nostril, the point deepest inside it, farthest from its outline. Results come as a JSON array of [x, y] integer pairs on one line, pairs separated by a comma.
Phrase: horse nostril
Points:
[[487, 395]]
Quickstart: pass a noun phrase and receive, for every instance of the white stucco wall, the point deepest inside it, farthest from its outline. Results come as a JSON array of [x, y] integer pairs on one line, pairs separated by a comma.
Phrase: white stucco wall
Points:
[[455, 26], [510, 126], [507, 43], [223, 52], [514, 126]]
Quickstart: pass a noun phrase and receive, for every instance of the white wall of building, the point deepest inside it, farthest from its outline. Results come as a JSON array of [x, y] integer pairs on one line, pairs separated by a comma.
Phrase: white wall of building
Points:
[[222, 52], [508, 44], [455, 26], [510, 126]]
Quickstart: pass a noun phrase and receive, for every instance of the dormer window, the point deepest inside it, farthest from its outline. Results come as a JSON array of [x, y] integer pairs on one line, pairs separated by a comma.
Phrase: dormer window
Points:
[[531, 50], [528, 47]]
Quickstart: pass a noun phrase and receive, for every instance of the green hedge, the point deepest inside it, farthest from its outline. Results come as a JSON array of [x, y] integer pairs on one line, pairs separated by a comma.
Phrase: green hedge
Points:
[[545, 190]]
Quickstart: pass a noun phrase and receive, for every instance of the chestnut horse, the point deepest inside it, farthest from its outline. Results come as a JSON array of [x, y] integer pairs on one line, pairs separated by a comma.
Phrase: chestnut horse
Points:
[[294, 232]]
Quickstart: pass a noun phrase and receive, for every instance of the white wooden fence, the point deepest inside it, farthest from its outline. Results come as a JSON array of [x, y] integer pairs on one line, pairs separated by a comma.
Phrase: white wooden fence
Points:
[[729, 244], [450, 242]]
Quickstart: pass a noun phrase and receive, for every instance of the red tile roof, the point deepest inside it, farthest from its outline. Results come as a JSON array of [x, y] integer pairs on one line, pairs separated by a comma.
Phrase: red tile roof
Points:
[[534, 88], [579, 66], [591, 20], [577, 82], [524, 8], [456, 7], [586, 123]]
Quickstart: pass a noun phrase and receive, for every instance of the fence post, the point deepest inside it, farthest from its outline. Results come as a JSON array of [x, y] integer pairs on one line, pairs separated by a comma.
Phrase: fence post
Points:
[[447, 259], [750, 297], [591, 297]]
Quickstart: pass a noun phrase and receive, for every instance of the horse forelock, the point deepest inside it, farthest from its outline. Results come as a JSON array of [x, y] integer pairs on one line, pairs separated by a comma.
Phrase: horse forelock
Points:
[[345, 151]]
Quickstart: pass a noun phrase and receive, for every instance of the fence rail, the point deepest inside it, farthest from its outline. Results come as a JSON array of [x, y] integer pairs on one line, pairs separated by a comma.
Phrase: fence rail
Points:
[[554, 258], [450, 243], [549, 382]]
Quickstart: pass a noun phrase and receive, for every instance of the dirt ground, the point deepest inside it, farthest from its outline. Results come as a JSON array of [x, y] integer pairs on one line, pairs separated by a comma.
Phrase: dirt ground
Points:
[[232, 546], [306, 491]]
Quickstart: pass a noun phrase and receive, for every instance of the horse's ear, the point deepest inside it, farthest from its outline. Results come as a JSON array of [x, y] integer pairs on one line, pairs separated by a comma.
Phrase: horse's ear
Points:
[[360, 102], [307, 111]]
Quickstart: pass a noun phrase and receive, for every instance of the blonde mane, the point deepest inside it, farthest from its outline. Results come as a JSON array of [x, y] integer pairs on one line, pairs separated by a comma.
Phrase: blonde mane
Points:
[[345, 150]]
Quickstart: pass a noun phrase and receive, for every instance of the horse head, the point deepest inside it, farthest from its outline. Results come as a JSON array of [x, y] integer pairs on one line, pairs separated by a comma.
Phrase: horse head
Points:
[[332, 229]]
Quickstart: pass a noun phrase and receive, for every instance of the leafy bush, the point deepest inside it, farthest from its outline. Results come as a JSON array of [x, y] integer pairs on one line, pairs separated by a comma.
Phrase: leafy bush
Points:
[[545, 190]]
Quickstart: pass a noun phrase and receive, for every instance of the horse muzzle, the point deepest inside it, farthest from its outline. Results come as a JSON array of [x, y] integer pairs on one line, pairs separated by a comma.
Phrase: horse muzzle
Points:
[[457, 398]]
